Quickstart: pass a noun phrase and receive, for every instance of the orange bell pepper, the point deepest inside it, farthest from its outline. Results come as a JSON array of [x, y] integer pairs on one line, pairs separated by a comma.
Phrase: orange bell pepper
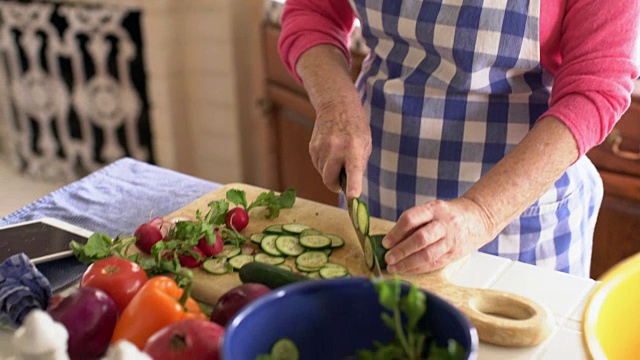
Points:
[[157, 304]]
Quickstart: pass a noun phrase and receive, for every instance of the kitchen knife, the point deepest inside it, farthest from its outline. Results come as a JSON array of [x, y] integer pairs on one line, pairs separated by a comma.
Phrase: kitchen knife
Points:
[[359, 215]]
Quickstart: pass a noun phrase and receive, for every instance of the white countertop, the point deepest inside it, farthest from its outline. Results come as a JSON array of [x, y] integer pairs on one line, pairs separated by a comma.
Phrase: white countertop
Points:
[[565, 295]]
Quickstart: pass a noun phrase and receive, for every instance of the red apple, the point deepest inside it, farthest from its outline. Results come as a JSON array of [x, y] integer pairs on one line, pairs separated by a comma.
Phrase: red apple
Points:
[[235, 299], [191, 339]]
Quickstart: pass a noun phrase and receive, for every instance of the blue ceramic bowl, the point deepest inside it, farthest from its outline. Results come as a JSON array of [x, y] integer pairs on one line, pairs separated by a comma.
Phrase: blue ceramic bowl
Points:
[[333, 319]]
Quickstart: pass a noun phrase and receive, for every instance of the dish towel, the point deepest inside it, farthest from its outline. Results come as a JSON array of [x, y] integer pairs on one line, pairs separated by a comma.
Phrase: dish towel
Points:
[[113, 200]]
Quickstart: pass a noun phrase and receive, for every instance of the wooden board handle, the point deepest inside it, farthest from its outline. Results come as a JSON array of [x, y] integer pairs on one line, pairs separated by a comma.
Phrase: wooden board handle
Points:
[[502, 318]]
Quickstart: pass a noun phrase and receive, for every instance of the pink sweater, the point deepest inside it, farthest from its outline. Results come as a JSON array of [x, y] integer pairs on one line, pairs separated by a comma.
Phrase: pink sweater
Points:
[[586, 45]]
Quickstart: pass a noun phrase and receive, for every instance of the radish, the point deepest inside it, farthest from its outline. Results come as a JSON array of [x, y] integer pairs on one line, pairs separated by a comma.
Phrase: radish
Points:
[[237, 219], [211, 249], [189, 260], [149, 233]]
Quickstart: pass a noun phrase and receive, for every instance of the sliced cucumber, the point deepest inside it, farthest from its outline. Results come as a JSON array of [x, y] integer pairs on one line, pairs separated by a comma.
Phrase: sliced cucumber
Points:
[[312, 259], [314, 275], [229, 251], [285, 267], [268, 259], [284, 349], [363, 218], [309, 231], [239, 261], [289, 245], [333, 271], [256, 238], [295, 228], [307, 269], [274, 229], [368, 252], [268, 245], [354, 212], [336, 240], [216, 266], [328, 251], [315, 241]]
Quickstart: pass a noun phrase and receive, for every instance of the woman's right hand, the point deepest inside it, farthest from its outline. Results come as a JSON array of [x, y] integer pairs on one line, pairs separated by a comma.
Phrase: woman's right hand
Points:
[[341, 135], [341, 138]]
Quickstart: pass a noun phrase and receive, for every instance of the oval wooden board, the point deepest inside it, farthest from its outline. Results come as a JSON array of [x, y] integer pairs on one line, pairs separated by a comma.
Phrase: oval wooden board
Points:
[[501, 318]]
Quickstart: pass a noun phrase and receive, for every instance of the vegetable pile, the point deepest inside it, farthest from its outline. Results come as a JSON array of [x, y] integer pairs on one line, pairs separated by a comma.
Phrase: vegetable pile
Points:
[[134, 300]]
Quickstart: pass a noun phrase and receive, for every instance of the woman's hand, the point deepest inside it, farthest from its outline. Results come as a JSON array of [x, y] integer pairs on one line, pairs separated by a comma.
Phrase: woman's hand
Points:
[[429, 236], [341, 135], [341, 138]]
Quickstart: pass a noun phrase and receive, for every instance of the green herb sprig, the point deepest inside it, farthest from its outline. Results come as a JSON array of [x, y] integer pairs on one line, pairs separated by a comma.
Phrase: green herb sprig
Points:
[[269, 200], [409, 340]]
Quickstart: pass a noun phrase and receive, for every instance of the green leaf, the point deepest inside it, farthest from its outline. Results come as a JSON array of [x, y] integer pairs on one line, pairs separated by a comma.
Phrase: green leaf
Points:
[[386, 293], [273, 203], [217, 211], [98, 247], [238, 197], [414, 306], [388, 320], [453, 351]]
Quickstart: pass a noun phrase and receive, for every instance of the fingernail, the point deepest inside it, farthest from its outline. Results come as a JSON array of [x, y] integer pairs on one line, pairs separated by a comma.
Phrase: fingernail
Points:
[[391, 269], [386, 243], [390, 259]]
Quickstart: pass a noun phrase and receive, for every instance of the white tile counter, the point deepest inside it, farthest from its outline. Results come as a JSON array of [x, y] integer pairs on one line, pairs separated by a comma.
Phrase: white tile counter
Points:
[[565, 295]]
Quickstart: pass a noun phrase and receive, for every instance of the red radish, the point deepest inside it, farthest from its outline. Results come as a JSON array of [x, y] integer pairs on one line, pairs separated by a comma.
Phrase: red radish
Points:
[[237, 219], [150, 233], [211, 249], [231, 302], [190, 261]]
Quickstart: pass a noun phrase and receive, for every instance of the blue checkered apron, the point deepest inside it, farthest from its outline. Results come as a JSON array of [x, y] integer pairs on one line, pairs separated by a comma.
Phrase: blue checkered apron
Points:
[[451, 86]]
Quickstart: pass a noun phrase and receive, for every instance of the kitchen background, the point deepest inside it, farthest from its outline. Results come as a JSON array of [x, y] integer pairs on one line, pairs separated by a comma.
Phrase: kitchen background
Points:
[[196, 86]]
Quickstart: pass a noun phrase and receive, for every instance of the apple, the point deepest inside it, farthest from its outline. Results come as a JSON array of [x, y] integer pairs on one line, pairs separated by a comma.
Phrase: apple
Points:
[[191, 339], [231, 302]]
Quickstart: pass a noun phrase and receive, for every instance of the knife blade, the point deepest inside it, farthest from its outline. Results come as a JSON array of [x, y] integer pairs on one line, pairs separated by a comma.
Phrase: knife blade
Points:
[[359, 214]]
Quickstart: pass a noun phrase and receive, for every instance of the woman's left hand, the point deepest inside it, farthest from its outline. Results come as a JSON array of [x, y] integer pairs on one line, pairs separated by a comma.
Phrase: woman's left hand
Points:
[[429, 236]]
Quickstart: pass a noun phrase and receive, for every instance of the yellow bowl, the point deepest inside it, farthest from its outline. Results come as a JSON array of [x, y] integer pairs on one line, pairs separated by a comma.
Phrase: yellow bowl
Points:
[[612, 315]]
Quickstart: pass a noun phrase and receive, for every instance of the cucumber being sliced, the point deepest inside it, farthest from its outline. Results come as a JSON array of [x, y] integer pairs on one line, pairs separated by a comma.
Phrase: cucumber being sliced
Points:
[[336, 240], [333, 271], [378, 250], [229, 251], [284, 349], [315, 241], [270, 275], [256, 238], [289, 245], [268, 259], [363, 218], [295, 228], [217, 266], [268, 245], [274, 229], [312, 259], [239, 261]]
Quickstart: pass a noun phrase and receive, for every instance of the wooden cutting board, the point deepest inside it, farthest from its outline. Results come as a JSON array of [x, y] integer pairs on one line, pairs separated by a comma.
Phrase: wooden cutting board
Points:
[[500, 318]]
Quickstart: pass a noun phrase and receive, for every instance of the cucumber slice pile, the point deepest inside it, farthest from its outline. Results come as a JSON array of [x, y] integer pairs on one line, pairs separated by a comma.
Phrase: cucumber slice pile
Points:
[[309, 247]]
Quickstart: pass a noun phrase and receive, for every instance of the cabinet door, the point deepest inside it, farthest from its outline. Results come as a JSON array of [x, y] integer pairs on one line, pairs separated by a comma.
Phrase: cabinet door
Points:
[[293, 118], [617, 234]]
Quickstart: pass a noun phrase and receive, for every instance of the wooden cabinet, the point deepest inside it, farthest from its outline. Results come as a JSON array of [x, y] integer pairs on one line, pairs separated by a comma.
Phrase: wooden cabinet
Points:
[[292, 118], [617, 234]]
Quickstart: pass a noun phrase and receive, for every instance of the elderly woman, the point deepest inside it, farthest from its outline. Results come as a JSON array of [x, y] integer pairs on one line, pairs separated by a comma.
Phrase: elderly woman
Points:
[[470, 119]]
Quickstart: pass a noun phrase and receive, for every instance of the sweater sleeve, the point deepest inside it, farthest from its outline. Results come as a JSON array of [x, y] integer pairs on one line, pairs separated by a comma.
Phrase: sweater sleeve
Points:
[[307, 23], [593, 83]]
